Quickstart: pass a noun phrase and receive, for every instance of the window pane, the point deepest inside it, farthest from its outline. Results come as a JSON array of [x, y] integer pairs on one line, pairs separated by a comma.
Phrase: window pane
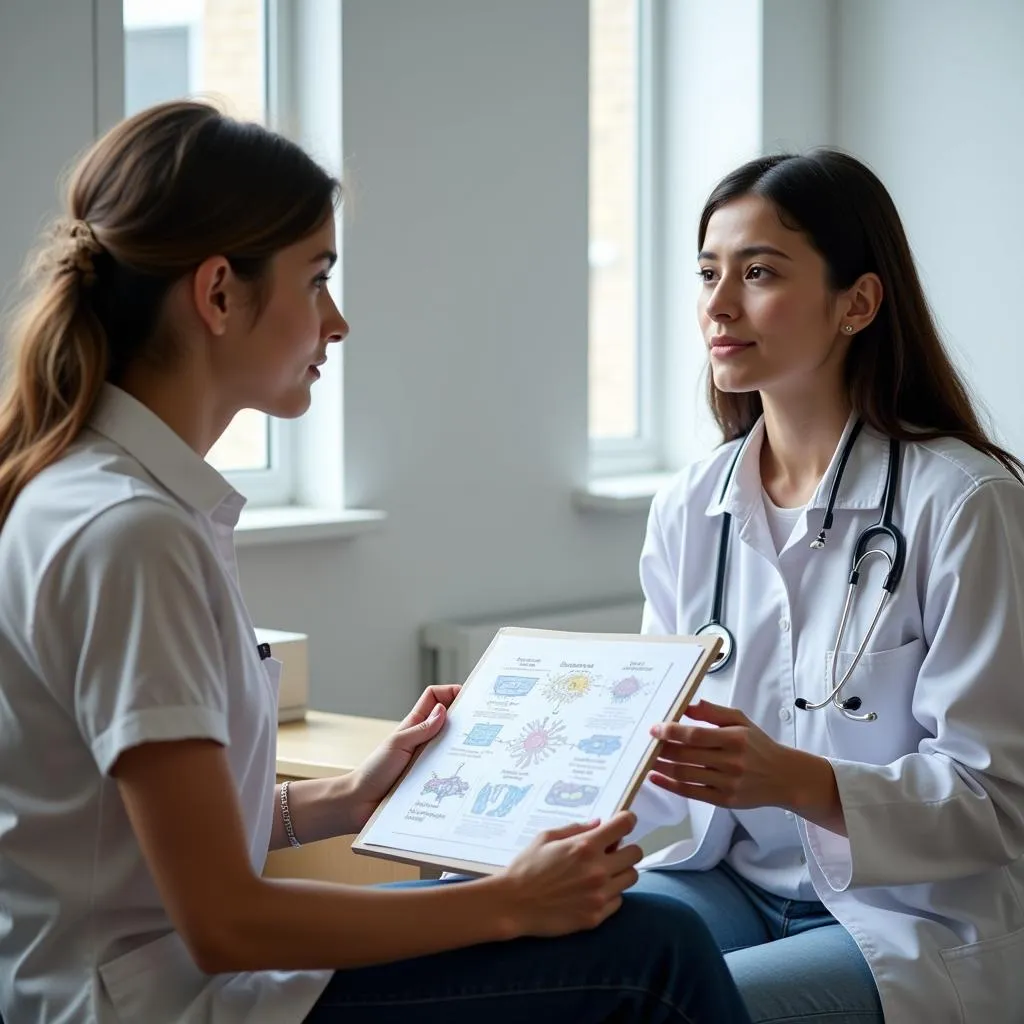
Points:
[[614, 411], [244, 445], [216, 48]]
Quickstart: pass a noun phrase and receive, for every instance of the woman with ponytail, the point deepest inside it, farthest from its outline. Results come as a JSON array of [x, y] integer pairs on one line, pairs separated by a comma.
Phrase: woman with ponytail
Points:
[[137, 717]]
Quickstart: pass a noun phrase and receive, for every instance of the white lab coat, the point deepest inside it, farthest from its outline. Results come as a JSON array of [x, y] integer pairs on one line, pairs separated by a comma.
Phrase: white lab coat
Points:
[[930, 882]]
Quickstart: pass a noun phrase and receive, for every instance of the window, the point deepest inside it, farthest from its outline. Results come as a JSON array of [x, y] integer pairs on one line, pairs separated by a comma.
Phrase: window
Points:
[[216, 48], [622, 408]]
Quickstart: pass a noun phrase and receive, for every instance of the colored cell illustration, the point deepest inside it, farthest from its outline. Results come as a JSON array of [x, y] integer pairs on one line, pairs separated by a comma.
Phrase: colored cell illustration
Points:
[[481, 735], [514, 686], [626, 689], [538, 740], [441, 787], [498, 800], [569, 687], [571, 794], [600, 746]]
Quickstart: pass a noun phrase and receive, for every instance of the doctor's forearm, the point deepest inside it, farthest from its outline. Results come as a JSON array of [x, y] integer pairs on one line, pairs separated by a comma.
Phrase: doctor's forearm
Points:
[[815, 794]]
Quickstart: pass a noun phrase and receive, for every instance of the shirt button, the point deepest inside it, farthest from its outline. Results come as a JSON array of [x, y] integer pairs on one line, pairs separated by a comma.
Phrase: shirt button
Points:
[[785, 714], [784, 624]]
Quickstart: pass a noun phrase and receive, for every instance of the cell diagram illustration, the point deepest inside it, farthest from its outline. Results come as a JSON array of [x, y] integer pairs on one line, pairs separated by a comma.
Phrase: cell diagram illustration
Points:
[[482, 735], [571, 794], [600, 745], [442, 787], [568, 687], [514, 686], [498, 800], [538, 741], [624, 690]]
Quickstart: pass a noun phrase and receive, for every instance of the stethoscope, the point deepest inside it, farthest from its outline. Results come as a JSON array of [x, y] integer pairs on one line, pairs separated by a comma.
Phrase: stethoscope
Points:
[[863, 550]]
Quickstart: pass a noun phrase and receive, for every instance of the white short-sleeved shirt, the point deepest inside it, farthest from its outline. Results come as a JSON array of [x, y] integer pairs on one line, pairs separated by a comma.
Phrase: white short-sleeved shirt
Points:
[[122, 622]]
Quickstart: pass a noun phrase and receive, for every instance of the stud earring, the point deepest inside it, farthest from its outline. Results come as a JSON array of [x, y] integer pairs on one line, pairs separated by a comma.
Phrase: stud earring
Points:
[[848, 328]]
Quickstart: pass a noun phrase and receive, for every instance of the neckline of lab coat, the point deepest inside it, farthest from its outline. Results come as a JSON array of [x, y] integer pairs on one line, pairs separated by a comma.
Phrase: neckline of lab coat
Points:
[[862, 486]]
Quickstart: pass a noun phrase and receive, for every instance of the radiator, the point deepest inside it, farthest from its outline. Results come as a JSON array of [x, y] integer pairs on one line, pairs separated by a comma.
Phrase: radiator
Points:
[[449, 650]]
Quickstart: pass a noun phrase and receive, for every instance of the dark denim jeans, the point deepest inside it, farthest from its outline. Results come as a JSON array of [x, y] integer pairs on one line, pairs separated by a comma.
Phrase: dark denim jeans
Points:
[[653, 962], [792, 961]]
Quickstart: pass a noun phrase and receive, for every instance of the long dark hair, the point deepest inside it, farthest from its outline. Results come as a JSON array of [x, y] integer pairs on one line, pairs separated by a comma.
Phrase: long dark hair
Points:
[[898, 374], [157, 195]]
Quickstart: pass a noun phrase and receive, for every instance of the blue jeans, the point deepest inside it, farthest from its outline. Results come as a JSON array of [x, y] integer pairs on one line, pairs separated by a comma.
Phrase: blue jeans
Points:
[[652, 962], [791, 960]]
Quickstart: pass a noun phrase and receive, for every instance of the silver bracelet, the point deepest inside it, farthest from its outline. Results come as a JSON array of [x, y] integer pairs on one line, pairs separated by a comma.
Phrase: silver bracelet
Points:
[[286, 815]]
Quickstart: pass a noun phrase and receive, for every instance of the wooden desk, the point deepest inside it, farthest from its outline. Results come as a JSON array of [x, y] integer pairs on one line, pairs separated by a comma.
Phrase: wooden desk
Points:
[[324, 745]]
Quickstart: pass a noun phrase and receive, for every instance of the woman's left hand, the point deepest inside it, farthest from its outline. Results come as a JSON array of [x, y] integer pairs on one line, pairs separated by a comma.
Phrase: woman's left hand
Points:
[[377, 774], [734, 764]]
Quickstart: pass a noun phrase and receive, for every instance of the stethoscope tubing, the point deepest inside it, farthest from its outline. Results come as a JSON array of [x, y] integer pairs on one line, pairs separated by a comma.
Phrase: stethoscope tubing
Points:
[[885, 528]]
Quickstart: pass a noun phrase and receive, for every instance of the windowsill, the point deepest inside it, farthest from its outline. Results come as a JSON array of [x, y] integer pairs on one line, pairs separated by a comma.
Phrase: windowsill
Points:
[[632, 493], [295, 523]]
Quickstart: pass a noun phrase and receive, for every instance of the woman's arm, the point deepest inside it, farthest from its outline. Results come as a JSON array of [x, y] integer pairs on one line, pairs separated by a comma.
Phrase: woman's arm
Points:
[[181, 801], [319, 809], [341, 806]]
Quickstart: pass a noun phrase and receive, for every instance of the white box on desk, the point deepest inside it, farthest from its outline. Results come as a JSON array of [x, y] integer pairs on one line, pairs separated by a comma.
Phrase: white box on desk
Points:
[[292, 650]]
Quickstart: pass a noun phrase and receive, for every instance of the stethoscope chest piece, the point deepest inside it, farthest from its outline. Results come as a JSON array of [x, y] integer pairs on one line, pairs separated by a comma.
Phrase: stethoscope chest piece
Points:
[[728, 644]]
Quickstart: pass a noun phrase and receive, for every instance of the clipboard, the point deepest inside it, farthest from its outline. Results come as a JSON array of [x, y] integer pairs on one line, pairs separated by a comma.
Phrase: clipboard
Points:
[[489, 822]]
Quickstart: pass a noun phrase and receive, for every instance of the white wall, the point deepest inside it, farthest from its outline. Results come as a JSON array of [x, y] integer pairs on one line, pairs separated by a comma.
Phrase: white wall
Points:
[[50, 115], [744, 77], [465, 372], [932, 96]]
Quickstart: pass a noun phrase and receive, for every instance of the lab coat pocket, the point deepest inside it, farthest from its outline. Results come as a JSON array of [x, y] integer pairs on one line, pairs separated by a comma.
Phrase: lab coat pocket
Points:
[[884, 681], [988, 979], [157, 981]]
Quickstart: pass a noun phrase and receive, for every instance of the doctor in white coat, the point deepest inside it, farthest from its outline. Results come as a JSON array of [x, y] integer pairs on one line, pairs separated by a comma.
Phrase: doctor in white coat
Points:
[[857, 823]]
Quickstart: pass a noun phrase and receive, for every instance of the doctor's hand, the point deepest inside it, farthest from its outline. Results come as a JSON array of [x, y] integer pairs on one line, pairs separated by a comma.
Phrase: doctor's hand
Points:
[[736, 764], [371, 782], [572, 878]]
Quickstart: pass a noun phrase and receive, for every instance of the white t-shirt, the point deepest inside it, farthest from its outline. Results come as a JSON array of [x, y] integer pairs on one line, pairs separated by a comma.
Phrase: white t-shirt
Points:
[[766, 847], [781, 521], [122, 622]]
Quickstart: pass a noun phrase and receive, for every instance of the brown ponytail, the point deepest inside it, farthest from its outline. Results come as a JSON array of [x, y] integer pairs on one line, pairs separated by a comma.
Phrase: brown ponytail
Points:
[[59, 357], [148, 203]]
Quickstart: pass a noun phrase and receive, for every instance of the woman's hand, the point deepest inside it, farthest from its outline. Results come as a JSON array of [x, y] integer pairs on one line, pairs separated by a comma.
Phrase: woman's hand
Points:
[[372, 781], [736, 764], [572, 878]]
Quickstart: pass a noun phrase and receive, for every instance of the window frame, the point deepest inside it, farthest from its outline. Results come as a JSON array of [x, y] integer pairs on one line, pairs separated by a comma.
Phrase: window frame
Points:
[[276, 484], [644, 452]]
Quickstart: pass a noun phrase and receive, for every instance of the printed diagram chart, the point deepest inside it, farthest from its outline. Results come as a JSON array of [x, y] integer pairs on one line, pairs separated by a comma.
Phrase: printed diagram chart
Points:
[[568, 687], [549, 728], [442, 787], [538, 740]]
